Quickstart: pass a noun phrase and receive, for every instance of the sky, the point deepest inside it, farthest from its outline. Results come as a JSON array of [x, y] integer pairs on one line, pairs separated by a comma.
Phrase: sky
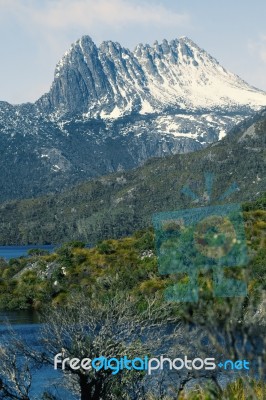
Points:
[[34, 34]]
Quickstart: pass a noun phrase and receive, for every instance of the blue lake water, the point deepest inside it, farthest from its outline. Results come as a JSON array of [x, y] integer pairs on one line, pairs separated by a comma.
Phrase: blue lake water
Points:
[[9, 252], [27, 326]]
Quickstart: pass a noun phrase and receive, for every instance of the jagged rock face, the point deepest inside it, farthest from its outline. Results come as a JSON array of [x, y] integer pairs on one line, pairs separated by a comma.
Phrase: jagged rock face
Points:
[[111, 81], [110, 109]]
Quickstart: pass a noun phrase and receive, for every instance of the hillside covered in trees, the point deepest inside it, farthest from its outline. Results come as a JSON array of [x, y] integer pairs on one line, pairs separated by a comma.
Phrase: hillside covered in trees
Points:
[[117, 205]]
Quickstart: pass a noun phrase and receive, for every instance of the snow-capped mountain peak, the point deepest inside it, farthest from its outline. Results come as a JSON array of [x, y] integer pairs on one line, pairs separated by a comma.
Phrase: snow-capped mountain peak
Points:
[[110, 109], [111, 81]]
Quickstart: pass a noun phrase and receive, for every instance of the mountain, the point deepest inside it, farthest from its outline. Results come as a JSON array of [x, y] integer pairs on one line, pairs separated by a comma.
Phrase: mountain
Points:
[[111, 81], [119, 204], [110, 109]]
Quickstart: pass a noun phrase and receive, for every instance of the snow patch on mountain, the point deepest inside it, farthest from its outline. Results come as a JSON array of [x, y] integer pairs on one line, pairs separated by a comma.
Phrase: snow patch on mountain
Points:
[[110, 81]]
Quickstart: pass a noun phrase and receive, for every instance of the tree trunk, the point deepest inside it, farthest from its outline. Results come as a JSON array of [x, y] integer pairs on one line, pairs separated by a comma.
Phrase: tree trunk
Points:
[[85, 389], [90, 389]]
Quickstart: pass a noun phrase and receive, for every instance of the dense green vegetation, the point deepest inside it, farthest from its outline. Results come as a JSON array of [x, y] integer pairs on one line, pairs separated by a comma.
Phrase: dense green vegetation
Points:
[[128, 269], [128, 264], [117, 205]]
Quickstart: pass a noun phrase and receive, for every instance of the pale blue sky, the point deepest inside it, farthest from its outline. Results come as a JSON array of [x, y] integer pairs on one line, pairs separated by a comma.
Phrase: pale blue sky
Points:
[[34, 34]]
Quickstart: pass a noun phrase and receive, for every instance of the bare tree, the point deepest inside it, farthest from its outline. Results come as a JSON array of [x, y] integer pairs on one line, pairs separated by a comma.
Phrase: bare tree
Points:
[[87, 328], [235, 329], [15, 372]]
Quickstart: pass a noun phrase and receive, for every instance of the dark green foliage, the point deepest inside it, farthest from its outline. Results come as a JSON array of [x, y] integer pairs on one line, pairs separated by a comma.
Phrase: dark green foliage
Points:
[[147, 240], [128, 264], [75, 244], [259, 204], [105, 247], [65, 256], [118, 205], [38, 252]]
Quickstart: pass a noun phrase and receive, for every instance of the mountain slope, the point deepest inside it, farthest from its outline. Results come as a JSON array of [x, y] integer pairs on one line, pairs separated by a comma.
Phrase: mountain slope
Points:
[[119, 204], [39, 156], [110, 109], [111, 81]]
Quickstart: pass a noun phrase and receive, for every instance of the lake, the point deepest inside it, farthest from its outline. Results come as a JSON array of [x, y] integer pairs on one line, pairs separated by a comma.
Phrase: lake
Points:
[[9, 252], [26, 324], [20, 317]]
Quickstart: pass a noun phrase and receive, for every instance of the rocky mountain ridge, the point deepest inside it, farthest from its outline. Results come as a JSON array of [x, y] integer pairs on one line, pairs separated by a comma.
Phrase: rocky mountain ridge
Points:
[[110, 81], [110, 109]]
